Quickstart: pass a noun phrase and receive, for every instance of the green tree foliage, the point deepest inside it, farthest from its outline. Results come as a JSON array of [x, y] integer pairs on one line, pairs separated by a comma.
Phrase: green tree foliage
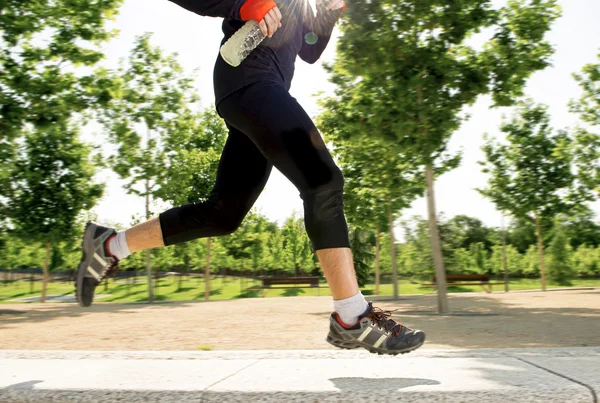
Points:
[[405, 71], [470, 230], [378, 181], [531, 262], [531, 174], [560, 268], [276, 253], [581, 228], [587, 145], [52, 184], [248, 246], [43, 45], [297, 246], [513, 257], [192, 146], [586, 260], [150, 91], [521, 234], [150, 100]]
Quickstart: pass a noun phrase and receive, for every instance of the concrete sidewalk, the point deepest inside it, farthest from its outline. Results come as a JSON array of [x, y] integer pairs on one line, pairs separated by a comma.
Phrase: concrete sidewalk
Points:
[[523, 375]]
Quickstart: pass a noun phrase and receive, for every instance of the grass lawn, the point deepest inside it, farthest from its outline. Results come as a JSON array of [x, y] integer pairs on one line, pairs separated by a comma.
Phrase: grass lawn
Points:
[[224, 289]]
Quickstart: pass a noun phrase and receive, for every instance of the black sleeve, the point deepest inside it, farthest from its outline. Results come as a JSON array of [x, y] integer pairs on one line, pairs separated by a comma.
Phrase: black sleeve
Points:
[[317, 32], [229, 9]]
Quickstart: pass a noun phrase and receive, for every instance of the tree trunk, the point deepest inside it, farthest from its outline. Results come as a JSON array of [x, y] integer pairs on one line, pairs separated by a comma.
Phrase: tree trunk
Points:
[[207, 272], [148, 266], [377, 260], [180, 282], [538, 230], [31, 281], [393, 250], [440, 271], [504, 257], [46, 275]]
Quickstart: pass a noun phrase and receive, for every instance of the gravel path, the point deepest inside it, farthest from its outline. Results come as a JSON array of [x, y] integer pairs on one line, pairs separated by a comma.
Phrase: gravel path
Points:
[[532, 319]]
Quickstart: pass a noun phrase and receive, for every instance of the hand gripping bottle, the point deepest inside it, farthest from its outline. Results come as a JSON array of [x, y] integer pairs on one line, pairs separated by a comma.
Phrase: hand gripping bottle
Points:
[[242, 43]]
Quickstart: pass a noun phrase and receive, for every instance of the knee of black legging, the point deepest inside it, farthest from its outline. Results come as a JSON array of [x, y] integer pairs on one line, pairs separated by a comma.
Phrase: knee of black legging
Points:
[[337, 181], [325, 221], [227, 225]]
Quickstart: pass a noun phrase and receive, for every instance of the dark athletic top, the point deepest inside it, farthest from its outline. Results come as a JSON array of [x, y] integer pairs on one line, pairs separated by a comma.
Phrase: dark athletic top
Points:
[[302, 33]]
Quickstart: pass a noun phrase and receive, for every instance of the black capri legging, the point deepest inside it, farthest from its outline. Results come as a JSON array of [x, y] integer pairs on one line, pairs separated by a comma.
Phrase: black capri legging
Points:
[[267, 127]]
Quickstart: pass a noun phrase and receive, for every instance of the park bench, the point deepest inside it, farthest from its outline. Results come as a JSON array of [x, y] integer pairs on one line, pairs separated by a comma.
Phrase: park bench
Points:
[[269, 282], [482, 280]]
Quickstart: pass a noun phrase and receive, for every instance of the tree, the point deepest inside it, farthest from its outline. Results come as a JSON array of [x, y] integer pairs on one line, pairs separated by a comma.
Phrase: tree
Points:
[[587, 145], [149, 93], [560, 269], [531, 262], [372, 194], [405, 72], [52, 183], [471, 230], [586, 260], [193, 146], [276, 248], [298, 250], [362, 250], [521, 233], [44, 50], [581, 229], [513, 259], [530, 175]]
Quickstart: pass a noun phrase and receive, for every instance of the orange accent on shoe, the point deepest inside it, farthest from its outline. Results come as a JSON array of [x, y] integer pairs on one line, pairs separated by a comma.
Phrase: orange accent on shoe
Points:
[[345, 326], [107, 244], [256, 9]]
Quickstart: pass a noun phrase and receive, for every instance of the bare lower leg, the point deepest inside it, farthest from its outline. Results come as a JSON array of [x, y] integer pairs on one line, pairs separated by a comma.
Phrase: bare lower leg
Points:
[[338, 266], [146, 235]]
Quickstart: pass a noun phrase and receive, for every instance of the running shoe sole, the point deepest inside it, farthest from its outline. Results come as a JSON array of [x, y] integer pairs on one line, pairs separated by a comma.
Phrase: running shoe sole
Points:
[[348, 345], [86, 260]]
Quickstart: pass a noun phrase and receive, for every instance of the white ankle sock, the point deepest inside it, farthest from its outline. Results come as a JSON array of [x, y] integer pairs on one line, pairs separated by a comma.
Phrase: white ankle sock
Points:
[[118, 246], [350, 309]]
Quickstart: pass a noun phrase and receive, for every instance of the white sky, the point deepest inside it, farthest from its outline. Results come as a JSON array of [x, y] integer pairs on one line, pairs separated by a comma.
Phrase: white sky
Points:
[[196, 39]]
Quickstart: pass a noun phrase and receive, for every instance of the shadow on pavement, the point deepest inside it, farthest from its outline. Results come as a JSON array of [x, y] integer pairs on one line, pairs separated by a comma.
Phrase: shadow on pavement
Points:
[[351, 384], [29, 385]]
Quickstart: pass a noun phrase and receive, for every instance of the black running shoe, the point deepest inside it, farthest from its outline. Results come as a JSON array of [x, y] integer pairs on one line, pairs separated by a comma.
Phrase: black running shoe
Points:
[[96, 264], [376, 332]]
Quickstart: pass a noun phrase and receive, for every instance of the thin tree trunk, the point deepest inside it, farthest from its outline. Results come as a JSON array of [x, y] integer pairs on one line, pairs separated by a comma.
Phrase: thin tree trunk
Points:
[[504, 257], [31, 281], [46, 275], [148, 265], [538, 230], [179, 284], [438, 261], [377, 260], [440, 271], [393, 250], [207, 272]]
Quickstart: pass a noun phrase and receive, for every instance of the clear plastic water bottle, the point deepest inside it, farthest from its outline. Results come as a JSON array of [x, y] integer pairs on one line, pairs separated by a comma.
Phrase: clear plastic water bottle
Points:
[[242, 43]]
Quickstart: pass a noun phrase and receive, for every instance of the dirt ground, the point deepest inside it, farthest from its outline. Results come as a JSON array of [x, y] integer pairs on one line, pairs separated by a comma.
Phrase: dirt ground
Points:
[[531, 319]]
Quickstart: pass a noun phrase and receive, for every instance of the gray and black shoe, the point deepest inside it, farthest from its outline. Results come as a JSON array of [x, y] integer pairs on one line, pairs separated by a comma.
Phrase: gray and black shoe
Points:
[[376, 332], [96, 264]]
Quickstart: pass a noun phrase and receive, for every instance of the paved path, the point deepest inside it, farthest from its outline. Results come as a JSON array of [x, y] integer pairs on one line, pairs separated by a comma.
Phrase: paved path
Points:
[[516, 375]]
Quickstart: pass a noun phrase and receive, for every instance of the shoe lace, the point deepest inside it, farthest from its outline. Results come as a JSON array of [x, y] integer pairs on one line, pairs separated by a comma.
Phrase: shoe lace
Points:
[[382, 318], [113, 268]]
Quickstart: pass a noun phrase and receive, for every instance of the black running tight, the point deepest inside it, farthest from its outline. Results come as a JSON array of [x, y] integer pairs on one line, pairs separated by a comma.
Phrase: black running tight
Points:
[[267, 127]]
